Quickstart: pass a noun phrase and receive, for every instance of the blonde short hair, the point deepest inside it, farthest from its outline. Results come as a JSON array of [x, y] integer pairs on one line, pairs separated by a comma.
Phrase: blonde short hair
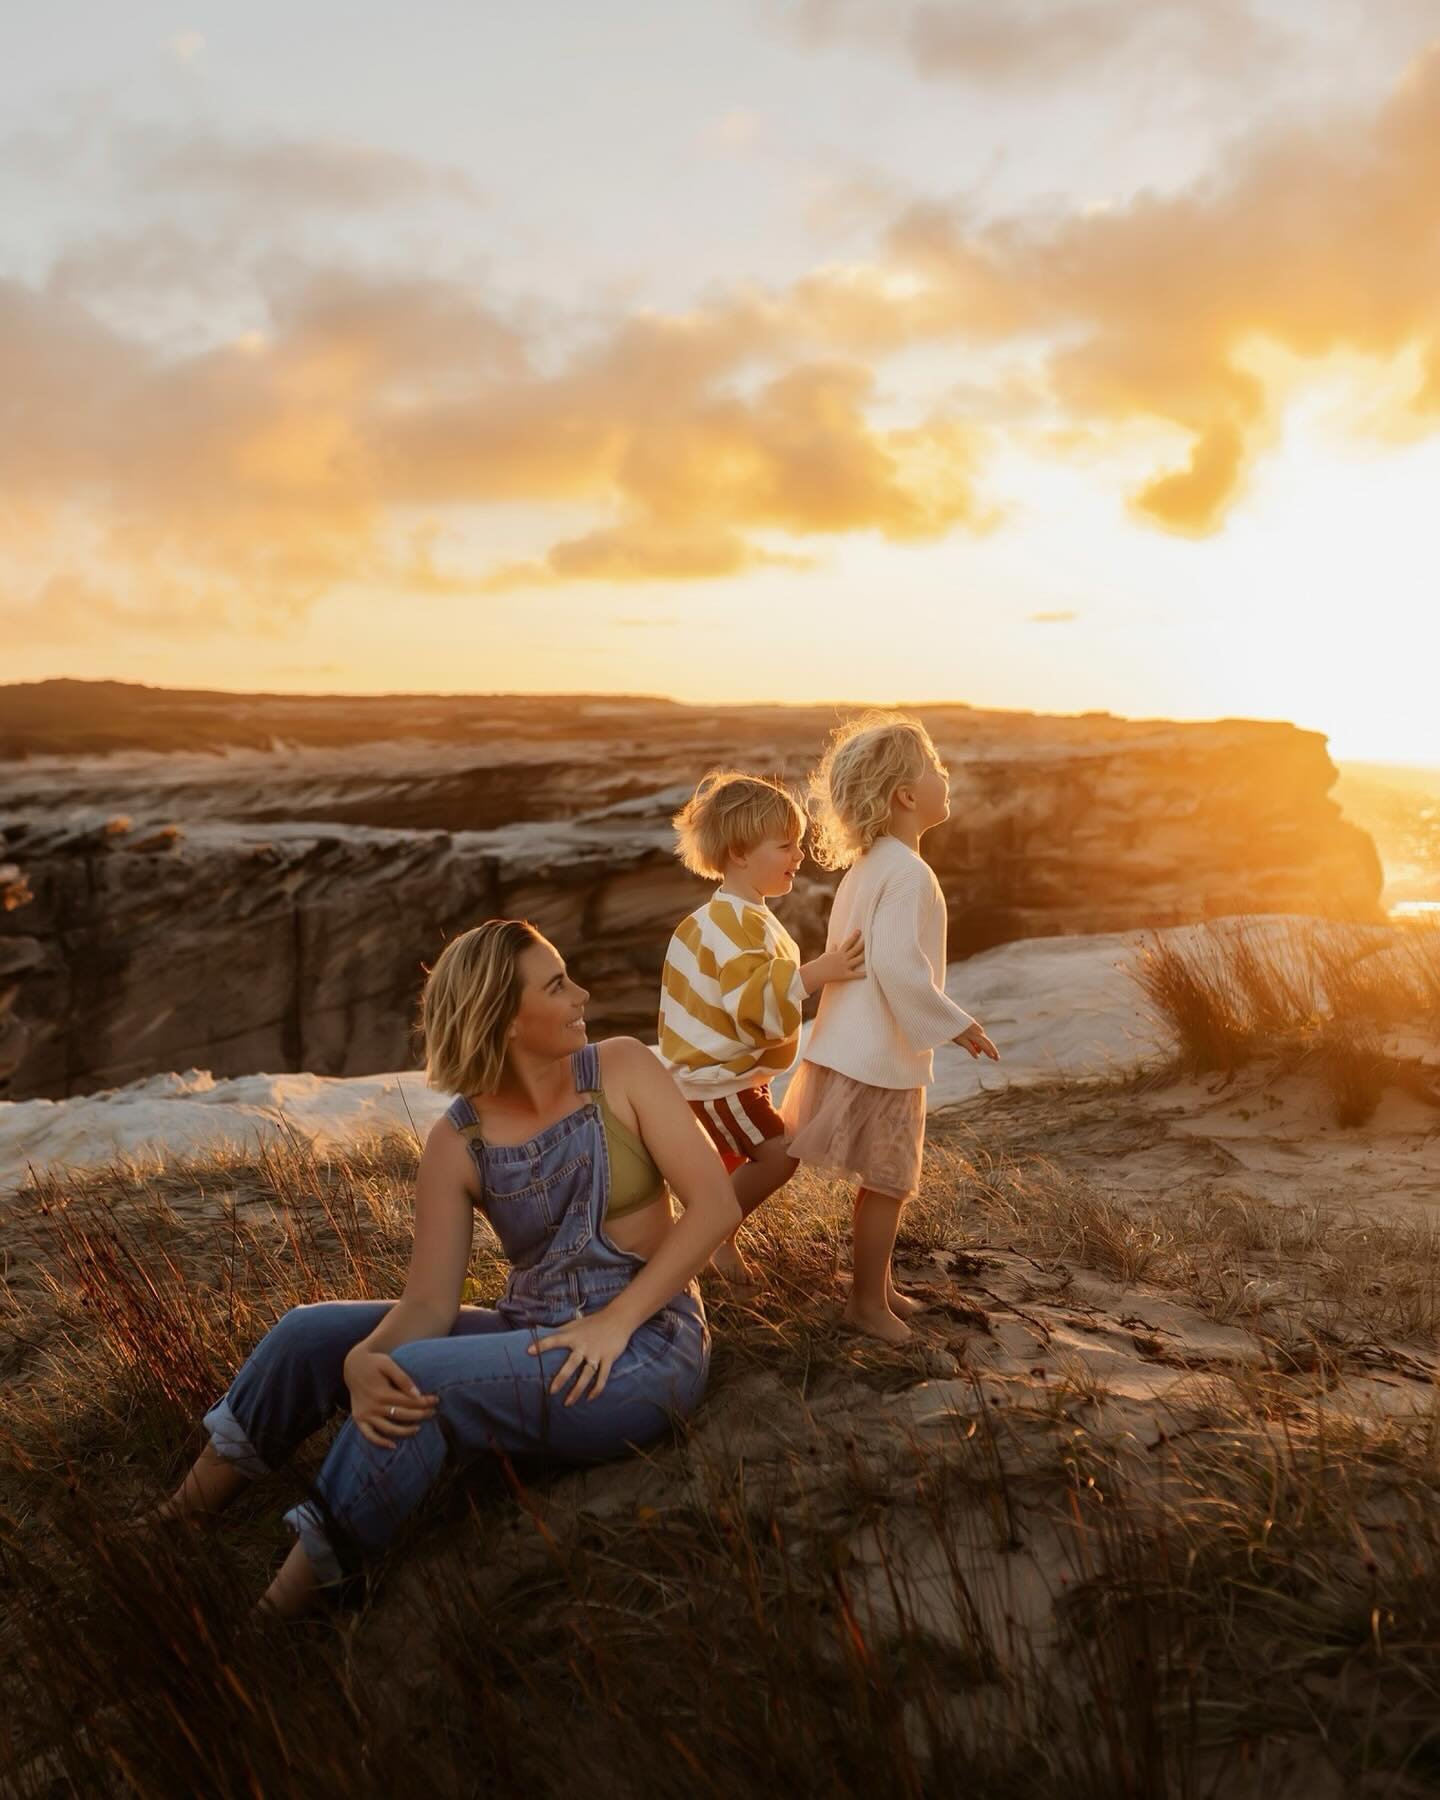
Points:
[[851, 792], [469, 1004], [728, 815]]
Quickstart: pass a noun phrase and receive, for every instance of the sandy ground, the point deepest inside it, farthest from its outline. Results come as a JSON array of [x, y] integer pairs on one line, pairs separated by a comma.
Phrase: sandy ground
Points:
[[1263, 1135], [192, 1113], [1030, 1355]]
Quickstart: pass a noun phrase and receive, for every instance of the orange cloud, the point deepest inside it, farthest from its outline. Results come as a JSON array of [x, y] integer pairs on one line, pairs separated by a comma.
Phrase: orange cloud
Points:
[[259, 475], [637, 552], [1318, 241], [695, 467], [270, 471]]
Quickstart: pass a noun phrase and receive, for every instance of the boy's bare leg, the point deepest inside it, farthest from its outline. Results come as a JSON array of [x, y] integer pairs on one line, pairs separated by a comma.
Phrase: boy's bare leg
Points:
[[209, 1487], [877, 1221], [754, 1181], [770, 1168]]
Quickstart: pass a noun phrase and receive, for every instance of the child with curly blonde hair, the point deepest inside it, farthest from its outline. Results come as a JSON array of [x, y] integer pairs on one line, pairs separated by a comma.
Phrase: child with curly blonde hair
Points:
[[734, 984], [857, 1104]]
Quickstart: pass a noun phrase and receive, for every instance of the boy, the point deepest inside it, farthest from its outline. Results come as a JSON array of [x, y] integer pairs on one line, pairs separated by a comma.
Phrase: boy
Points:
[[733, 984]]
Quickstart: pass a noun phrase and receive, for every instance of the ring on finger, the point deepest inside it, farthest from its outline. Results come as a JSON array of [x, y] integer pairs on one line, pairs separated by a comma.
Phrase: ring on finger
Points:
[[390, 1412]]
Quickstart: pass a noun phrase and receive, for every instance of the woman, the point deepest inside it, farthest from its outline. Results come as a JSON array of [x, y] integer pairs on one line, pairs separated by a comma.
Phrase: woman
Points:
[[599, 1340]]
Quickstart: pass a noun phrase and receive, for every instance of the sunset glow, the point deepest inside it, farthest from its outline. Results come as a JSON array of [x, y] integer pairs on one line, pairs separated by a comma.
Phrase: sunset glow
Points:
[[1064, 358]]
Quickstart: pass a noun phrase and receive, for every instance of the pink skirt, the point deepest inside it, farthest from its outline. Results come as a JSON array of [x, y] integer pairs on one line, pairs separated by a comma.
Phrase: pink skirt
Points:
[[847, 1127]]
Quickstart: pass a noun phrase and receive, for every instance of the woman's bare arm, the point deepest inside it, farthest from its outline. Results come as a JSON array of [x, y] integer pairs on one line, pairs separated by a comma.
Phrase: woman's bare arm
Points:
[[691, 1167], [445, 1192]]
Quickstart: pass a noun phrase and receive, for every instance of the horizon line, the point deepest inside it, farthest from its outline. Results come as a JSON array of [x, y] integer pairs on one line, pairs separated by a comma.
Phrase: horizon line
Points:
[[650, 698]]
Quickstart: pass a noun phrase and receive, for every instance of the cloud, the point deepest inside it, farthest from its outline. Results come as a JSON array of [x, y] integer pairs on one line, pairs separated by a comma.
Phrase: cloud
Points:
[[72, 609], [290, 173], [241, 482], [1315, 240], [256, 176], [1042, 41], [269, 471], [1053, 618], [696, 466], [160, 264], [838, 204], [638, 552], [354, 415], [186, 46]]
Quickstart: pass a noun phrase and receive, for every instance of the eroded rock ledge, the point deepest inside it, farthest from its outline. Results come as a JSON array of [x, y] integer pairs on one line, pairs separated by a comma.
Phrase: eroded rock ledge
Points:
[[251, 882]]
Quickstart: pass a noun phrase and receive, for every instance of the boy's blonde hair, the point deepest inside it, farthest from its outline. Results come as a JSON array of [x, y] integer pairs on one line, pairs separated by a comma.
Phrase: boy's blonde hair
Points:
[[851, 791], [469, 1004], [728, 815]]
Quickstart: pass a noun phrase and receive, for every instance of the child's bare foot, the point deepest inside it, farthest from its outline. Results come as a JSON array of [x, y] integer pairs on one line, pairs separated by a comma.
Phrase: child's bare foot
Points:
[[904, 1306], [731, 1266], [880, 1323]]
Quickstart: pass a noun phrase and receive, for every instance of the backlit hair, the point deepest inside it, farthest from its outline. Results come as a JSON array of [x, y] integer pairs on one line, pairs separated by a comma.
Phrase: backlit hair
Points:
[[728, 815], [851, 792], [469, 1004]]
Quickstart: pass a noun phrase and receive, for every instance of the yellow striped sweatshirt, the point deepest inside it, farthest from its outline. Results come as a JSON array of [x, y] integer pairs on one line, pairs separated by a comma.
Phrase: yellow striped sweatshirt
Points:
[[730, 998]]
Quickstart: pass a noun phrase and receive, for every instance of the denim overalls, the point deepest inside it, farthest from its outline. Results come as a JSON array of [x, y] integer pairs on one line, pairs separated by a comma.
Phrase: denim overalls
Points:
[[546, 1201]]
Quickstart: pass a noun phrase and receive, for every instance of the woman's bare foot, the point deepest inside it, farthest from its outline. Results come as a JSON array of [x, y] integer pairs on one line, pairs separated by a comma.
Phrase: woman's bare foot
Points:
[[294, 1589], [155, 1518], [209, 1487], [731, 1266], [877, 1324]]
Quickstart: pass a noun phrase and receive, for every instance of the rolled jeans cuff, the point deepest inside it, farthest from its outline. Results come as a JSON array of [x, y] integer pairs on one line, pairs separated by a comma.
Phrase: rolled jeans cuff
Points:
[[228, 1441], [304, 1521]]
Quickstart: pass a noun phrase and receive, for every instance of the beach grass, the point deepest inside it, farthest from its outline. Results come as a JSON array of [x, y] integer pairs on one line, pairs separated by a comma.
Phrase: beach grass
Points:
[[1358, 1006], [1041, 1592]]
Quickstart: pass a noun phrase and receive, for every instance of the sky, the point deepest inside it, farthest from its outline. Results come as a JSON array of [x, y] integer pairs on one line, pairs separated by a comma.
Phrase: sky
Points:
[[1069, 355]]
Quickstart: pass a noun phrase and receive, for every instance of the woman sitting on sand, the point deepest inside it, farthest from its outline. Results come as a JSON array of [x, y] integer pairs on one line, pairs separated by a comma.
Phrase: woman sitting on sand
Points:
[[599, 1341]]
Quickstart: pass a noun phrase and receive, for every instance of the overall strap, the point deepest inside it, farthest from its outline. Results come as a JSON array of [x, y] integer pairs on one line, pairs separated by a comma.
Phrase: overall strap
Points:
[[586, 1064], [461, 1115]]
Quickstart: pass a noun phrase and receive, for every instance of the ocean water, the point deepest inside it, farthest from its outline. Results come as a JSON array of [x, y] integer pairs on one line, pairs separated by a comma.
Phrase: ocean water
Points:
[[1399, 806]]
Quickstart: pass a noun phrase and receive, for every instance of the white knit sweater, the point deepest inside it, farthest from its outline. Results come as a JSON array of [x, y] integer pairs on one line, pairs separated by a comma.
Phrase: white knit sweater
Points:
[[882, 1029]]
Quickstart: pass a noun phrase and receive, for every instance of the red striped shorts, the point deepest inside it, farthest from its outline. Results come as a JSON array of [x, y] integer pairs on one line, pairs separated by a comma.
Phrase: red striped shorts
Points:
[[740, 1123]]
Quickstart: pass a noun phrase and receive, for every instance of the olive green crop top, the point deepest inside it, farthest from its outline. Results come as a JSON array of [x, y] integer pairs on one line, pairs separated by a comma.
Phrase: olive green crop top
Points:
[[634, 1179]]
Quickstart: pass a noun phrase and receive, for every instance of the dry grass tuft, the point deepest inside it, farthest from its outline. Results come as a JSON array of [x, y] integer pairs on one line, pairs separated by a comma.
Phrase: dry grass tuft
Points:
[[1359, 1004]]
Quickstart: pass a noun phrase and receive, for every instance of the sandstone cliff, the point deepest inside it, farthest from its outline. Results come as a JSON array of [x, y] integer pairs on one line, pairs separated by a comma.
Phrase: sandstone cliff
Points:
[[265, 898]]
